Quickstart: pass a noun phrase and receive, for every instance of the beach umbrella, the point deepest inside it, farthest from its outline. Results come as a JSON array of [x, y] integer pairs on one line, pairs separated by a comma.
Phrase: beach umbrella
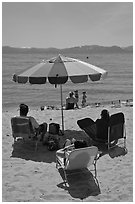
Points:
[[59, 70]]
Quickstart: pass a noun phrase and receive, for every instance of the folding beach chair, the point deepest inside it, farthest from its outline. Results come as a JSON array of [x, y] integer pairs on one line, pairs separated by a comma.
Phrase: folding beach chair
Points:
[[88, 125], [90, 128], [22, 128], [70, 106], [77, 159], [117, 130]]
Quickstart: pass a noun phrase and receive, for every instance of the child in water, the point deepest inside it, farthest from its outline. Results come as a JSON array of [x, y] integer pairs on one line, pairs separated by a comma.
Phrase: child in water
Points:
[[77, 98], [84, 99]]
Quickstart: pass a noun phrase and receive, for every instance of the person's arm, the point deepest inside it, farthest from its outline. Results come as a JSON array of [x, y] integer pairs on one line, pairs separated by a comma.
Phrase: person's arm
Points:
[[34, 123], [69, 148]]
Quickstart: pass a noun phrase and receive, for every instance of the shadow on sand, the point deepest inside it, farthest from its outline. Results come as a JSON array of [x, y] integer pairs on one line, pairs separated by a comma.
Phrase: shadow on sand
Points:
[[80, 185], [116, 151], [113, 152], [26, 150]]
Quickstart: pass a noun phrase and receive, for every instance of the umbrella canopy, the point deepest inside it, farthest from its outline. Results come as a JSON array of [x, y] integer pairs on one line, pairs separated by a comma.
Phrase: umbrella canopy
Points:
[[59, 70]]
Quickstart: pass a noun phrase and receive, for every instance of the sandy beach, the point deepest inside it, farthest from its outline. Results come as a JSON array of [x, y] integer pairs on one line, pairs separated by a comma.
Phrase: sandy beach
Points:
[[29, 176]]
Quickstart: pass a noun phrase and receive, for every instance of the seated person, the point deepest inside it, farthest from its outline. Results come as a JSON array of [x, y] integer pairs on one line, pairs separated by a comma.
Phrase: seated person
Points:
[[102, 125], [69, 146], [70, 101], [41, 129]]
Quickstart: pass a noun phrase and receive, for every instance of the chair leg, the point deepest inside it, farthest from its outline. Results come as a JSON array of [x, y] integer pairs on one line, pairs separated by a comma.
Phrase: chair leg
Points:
[[56, 163], [95, 168], [108, 138], [124, 142], [65, 179]]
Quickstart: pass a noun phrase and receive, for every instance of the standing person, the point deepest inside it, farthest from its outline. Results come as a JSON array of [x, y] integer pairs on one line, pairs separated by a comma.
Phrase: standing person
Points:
[[84, 99], [70, 101], [77, 98], [41, 128]]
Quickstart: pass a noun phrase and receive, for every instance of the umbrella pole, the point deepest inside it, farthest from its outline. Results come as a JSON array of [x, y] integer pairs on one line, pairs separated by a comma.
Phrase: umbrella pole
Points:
[[62, 109]]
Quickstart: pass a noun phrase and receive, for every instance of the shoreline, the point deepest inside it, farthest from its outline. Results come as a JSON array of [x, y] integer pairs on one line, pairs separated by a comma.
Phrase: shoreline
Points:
[[113, 103]]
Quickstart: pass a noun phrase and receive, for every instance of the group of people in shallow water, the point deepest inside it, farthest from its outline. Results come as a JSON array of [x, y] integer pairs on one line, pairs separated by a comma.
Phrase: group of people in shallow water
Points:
[[73, 99], [102, 123]]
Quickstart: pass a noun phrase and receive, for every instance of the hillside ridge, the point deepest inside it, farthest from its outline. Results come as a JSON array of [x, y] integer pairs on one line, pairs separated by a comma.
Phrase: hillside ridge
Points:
[[78, 49]]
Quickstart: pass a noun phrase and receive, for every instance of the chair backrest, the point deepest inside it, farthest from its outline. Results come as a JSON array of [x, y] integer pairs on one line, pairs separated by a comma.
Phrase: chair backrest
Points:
[[70, 106], [89, 126], [116, 129], [21, 127], [81, 158], [102, 129]]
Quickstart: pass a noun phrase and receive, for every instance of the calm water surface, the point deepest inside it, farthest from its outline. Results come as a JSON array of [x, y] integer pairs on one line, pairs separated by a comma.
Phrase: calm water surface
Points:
[[117, 86]]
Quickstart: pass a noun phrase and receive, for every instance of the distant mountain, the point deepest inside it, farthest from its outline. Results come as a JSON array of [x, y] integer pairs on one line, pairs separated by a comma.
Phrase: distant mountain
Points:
[[98, 49], [129, 48], [8, 49], [86, 49]]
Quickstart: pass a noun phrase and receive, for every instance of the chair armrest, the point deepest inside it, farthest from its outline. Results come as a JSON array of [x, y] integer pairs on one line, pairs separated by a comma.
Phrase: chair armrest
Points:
[[100, 140], [68, 147]]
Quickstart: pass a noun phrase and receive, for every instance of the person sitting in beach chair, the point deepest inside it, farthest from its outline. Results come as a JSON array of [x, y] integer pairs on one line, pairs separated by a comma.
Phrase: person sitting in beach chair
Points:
[[22, 128], [102, 125], [70, 101], [97, 130], [69, 146], [41, 129], [77, 156], [107, 130]]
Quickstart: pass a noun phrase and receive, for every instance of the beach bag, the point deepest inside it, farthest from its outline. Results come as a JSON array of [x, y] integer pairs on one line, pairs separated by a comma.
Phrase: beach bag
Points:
[[54, 128], [52, 146], [53, 143]]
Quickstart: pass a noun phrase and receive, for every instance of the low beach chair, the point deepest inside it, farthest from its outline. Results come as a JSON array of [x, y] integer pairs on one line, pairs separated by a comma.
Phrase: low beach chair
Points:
[[117, 130], [22, 128], [90, 128], [70, 106], [77, 159]]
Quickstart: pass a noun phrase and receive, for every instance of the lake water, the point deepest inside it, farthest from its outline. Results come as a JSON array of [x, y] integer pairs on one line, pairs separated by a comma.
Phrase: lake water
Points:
[[117, 86]]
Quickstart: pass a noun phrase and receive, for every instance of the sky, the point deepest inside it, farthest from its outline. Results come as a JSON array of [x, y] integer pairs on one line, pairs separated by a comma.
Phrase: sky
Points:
[[67, 24]]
